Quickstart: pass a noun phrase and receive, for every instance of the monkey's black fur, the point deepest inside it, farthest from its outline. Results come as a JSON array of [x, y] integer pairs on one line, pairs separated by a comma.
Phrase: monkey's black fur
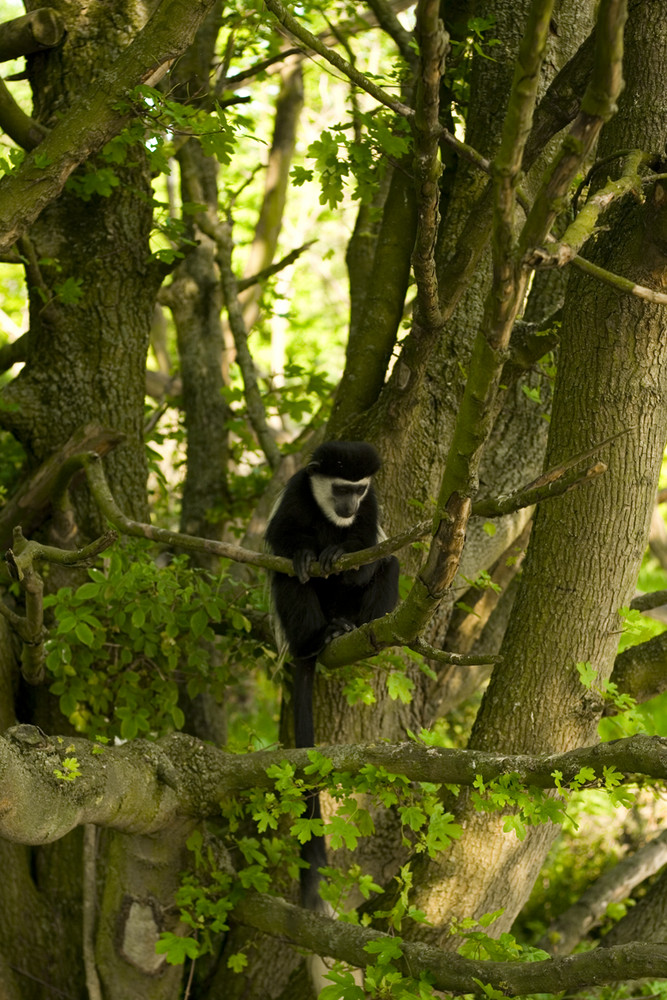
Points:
[[335, 486]]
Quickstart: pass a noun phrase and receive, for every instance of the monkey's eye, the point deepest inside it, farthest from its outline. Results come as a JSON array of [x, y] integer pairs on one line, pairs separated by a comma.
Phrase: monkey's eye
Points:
[[349, 490]]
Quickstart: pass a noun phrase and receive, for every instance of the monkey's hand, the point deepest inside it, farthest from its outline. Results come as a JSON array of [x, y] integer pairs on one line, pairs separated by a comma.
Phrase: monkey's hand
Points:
[[328, 557], [336, 627], [302, 561]]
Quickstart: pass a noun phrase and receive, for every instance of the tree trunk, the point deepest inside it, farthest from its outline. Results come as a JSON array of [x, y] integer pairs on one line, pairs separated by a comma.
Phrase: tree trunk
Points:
[[92, 281], [586, 547]]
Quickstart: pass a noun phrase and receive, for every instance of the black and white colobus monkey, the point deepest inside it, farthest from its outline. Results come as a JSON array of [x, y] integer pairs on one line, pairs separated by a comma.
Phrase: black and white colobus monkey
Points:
[[327, 509]]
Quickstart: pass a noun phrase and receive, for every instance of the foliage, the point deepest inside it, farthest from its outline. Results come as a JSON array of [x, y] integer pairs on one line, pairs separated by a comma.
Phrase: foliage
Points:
[[126, 643]]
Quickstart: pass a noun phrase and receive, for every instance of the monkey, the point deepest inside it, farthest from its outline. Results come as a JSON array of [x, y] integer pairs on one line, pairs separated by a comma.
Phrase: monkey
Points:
[[327, 509]]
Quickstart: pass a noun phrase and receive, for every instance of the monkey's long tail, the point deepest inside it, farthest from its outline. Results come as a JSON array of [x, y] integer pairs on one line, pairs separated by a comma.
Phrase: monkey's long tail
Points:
[[313, 852]]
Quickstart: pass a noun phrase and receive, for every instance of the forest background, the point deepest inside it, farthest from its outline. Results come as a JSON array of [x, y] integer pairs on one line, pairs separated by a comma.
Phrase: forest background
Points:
[[229, 232]]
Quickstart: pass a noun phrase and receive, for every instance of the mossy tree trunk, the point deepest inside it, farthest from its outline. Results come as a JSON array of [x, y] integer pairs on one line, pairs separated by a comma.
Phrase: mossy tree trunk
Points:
[[586, 547], [91, 279]]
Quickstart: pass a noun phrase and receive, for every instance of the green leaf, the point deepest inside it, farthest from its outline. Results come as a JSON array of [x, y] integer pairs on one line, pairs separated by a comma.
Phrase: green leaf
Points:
[[387, 949], [69, 291], [176, 949], [84, 634], [199, 622], [400, 687], [237, 962], [138, 617]]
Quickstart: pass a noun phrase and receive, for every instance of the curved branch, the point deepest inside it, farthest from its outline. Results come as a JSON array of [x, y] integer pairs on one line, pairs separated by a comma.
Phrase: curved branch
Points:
[[346, 942]]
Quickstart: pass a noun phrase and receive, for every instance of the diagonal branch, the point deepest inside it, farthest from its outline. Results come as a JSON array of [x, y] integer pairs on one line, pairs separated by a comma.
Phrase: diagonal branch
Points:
[[297, 29], [24, 130], [221, 233], [583, 226], [614, 885]]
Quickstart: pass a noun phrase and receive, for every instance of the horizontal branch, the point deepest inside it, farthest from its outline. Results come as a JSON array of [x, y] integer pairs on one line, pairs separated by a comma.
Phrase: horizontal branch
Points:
[[452, 973], [458, 659], [145, 787], [649, 601], [192, 543]]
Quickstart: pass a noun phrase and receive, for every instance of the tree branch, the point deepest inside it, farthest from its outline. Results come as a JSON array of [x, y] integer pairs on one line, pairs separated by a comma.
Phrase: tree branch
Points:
[[639, 671], [14, 353], [458, 659], [136, 529], [433, 41], [20, 560], [28, 506], [145, 787], [316, 45], [387, 20], [476, 413], [614, 885], [267, 272], [597, 106], [583, 226], [40, 29], [451, 973], [24, 130], [221, 233], [618, 282], [536, 491], [647, 602]]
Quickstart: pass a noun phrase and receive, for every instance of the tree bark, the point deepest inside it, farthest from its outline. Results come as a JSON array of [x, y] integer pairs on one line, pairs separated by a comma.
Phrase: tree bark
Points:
[[586, 547]]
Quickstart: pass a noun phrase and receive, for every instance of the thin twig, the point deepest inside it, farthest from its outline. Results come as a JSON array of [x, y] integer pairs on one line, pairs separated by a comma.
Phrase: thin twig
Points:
[[267, 272], [458, 659], [221, 233]]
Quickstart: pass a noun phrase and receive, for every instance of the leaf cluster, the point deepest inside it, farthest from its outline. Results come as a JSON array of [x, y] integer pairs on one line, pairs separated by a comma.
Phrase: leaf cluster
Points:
[[338, 154], [123, 643]]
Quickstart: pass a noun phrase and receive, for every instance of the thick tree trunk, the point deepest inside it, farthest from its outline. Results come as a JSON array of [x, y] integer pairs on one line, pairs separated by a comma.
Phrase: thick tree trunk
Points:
[[586, 547], [91, 279]]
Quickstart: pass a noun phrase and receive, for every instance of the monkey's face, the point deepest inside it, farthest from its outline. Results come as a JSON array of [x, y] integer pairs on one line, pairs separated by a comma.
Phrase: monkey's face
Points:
[[339, 499]]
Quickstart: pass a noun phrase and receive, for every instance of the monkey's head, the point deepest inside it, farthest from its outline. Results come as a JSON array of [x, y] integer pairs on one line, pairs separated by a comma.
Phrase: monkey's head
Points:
[[340, 476]]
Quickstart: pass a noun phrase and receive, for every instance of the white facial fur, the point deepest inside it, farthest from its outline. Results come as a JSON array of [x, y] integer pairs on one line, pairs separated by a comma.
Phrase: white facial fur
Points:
[[322, 487]]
